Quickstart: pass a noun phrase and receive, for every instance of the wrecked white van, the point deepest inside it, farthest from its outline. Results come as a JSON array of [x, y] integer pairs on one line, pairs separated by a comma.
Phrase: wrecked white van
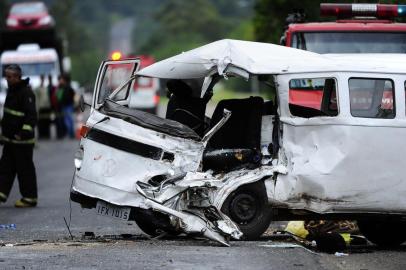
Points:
[[255, 160]]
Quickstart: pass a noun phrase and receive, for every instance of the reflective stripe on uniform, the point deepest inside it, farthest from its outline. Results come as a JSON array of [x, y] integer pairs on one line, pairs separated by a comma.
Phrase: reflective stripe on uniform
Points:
[[5, 139], [27, 127], [29, 200], [13, 112]]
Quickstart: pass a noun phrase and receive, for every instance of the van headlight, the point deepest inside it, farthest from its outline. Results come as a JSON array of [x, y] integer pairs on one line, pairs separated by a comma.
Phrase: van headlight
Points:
[[79, 158]]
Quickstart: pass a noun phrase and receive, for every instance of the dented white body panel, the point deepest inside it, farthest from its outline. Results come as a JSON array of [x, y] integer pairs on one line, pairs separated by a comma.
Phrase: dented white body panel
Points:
[[340, 164], [347, 172], [105, 167], [343, 164]]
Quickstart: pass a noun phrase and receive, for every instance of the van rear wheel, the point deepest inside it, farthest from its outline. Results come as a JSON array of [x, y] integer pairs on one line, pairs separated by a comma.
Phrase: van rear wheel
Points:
[[248, 208], [384, 233]]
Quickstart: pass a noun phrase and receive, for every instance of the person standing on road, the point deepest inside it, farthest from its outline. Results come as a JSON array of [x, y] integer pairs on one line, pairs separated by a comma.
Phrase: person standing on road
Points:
[[44, 109], [17, 125], [65, 95], [57, 112]]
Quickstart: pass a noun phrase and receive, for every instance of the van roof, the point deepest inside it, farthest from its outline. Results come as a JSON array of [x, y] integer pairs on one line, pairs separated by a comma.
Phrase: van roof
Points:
[[265, 58]]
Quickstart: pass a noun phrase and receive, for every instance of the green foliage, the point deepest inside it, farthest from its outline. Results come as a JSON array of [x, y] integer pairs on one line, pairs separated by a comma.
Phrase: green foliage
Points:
[[175, 45], [85, 65], [236, 87], [162, 27], [244, 31], [166, 27], [178, 16], [180, 29], [270, 16], [182, 25], [4, 6]]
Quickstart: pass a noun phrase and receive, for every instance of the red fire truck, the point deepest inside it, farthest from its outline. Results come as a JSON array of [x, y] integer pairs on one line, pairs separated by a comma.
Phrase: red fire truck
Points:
[[358, 28]]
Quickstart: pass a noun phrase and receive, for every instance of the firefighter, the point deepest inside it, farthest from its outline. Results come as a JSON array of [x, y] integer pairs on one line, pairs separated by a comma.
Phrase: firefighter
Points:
[[19, 120]]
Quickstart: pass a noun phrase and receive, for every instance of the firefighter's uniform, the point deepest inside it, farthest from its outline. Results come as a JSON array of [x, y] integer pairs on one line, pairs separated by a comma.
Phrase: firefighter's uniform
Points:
[[19, 120]]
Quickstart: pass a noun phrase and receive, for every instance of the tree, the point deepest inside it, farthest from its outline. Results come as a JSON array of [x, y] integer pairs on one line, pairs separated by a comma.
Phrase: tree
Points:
[[182, 25], [177, 16], [4, 7], [270, 16], [85, 34], [234, 9]]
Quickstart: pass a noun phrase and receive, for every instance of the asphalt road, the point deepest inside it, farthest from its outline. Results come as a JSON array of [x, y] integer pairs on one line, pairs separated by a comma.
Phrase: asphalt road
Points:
[[41, 239]]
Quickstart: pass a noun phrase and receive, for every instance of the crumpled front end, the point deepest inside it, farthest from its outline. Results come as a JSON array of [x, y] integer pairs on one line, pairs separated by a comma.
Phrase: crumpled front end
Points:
[[189, 203], [116, 154], [128, 166], [193, 200]]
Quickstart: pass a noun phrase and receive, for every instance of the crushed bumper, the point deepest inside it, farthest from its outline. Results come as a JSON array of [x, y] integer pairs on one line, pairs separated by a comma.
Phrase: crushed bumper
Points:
[[204, 220], [83, 200]]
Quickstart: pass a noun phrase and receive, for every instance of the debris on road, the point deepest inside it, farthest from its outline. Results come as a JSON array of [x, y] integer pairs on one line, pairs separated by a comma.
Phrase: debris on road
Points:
[[88, 235], [8, 226], [326, 236], [286, 246], [340, 254]]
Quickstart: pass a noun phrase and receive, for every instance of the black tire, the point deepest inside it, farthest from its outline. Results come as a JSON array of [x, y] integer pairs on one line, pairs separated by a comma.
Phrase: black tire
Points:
[[248, 207], [152, 222], [384, 233]]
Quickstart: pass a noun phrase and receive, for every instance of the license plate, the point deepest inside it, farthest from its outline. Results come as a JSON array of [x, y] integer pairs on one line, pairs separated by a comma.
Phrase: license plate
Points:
[[109, 210]]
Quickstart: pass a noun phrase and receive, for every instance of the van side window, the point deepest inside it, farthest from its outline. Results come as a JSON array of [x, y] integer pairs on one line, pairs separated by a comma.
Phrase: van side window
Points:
[[372, 98], [312, 97]]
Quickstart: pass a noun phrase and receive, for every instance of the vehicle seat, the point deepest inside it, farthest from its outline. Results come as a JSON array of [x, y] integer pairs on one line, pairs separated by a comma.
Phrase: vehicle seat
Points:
[[329, 102], [239, 138], [269, 108], [184, 108], [243, 129]]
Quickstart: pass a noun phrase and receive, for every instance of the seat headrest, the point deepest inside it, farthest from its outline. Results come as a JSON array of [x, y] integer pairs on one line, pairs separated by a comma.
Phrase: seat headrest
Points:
[[179, 88]]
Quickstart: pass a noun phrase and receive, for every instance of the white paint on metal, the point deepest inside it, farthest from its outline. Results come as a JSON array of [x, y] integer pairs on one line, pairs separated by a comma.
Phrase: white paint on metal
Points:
[[265, 58], [336, 164]]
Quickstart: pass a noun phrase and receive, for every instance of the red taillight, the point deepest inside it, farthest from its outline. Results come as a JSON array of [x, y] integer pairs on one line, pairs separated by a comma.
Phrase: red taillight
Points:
[[380, 11], [84, 130]]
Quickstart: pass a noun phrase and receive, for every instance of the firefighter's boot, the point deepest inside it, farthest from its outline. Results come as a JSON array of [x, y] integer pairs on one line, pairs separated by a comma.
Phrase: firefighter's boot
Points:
[[3, 197], [26, 202]]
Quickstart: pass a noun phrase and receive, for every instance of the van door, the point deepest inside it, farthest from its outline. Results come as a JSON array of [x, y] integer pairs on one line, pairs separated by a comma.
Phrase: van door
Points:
[[111, 75]]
